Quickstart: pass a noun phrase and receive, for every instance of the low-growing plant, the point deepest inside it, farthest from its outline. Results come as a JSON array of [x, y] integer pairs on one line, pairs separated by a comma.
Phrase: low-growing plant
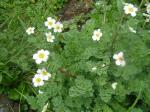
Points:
[[102, 67], [16, 66]]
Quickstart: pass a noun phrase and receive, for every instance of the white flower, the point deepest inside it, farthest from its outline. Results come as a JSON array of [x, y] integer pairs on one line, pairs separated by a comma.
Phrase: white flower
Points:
[[58, 27], [103, 65], [130, 9], [97, 34], [41, 55], [50, 37], [119, 59], [44, 73], [30, 30], [37, 80], [114, 85], [94, 68], [148, 8], [132, 30], [50, 23], [40, 92]]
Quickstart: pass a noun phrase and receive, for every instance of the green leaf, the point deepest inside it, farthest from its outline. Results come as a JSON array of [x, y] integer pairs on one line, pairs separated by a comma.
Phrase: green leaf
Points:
[[1, 77], [82, 87], [106, 93]]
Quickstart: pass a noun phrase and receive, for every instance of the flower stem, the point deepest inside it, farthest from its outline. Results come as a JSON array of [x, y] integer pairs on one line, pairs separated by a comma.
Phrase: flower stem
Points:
[[135, 102]]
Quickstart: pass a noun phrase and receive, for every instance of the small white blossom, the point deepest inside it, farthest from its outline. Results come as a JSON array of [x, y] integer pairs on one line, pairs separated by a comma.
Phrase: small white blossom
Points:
[[148, 8], [50, 37], [130, 9], [132, 30], [41, 55], [97, 34], [119, 59], [43, 72], [114, 85], [58, 27], [40, 92], [103, 65], [94, 68], [30, 30], [50, 23], [37, 80]]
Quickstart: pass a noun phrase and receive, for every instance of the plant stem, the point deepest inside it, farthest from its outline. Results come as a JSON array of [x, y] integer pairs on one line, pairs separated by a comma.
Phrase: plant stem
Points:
[[135, 102], [115, 36], [141, 3]]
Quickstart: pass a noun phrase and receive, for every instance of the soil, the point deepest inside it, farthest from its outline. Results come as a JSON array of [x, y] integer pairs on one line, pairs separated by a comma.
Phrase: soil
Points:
[[75, 8], [7, 105]]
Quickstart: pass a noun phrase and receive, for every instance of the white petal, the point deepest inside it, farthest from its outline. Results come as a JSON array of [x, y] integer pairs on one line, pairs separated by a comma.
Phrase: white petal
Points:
[[123, 63], [118, 62], [115, 56], [39, 71], [120, 54], [38, 61], [41, 83], [125, 7], [35, 56], [114, 85], [46, 23], [49, 18], [133, 14], [35, 84], [45, 59], [49, 27], [45, 77], [46, 52], [94, 37]]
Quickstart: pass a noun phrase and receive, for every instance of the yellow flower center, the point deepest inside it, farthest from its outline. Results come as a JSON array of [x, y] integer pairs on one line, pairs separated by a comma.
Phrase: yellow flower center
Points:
[[50, 23], [98, 34], [57, 27], [120, 58], [41, 55], [44, 72], [38, 80], [130, 9], [49, 37]]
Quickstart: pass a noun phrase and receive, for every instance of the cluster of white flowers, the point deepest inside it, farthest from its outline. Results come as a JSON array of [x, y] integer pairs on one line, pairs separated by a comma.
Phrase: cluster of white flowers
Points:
[[39, 78], [50, 23], [43, 55], [97, 34], [57, 26]]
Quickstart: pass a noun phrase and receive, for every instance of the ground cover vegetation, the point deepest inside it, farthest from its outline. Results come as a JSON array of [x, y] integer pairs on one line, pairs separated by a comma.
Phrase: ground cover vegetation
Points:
[[75, 55]]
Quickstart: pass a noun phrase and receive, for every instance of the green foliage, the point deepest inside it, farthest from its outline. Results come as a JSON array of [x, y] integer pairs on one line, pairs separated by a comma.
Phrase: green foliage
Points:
[[75, 86], [82, 88]]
